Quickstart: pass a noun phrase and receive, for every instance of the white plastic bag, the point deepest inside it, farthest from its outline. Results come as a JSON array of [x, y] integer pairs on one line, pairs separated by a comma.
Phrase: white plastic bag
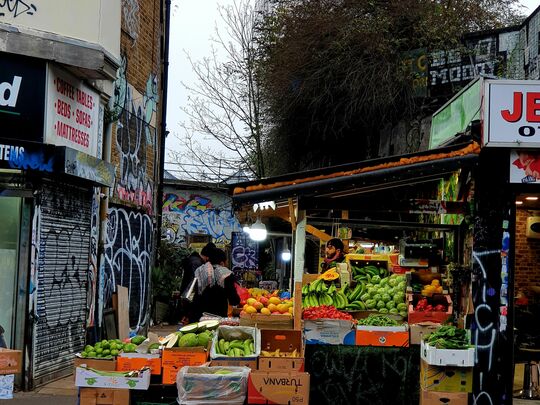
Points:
[[201, 385], [236, 332]]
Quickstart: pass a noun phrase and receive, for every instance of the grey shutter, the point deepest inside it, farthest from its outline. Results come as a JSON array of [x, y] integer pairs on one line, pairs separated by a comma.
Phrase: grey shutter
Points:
[[62, 264]]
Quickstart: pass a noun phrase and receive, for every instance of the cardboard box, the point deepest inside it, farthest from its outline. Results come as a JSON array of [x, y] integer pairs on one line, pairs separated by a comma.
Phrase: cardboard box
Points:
[[89, 378], [169, 374], [382, 336], [329, 332], [96, 364], [429, 316], [235, 362], [273, 387], [103, 396], [446, 357], [443, 398], [445, 378], [10, 361], [419, 330], [185, 356], [262, 321], [6, 386], [136, 361], [286, 341]]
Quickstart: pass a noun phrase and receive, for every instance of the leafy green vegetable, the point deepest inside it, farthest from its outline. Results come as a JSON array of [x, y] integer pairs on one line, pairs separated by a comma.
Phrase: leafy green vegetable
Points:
[[448, 337]]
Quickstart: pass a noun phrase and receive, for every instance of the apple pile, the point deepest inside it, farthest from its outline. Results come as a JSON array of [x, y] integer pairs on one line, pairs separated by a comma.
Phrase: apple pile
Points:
[[267, 304]]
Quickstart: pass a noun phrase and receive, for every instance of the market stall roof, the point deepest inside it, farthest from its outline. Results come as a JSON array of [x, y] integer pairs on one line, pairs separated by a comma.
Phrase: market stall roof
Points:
[[361, 177]]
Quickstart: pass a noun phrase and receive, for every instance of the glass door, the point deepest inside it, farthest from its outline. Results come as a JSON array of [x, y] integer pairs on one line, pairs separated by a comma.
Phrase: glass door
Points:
[[10, 224]]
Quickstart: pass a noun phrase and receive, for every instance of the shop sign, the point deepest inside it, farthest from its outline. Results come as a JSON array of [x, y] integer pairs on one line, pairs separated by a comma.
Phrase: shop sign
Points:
[[512, 113], [72, 112], [22, 97], [27, 156]]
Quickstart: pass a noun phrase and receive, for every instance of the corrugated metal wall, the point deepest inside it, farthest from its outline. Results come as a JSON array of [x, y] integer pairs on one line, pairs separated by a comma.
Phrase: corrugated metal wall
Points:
[[63, 261]]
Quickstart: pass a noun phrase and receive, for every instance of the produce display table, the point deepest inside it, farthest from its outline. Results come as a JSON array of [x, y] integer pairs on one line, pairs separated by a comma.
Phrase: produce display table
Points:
[[363, 375]]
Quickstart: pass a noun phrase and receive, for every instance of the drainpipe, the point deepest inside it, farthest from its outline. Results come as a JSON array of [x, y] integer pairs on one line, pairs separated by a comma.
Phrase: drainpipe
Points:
[[164, 83]]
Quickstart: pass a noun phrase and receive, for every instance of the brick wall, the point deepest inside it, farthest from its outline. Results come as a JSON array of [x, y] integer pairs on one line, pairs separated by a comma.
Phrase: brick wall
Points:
[[527, 254], [135, 143]]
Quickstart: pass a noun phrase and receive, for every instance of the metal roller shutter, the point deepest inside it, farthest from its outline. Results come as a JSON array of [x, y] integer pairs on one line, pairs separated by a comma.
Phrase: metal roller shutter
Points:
[[62, 266]]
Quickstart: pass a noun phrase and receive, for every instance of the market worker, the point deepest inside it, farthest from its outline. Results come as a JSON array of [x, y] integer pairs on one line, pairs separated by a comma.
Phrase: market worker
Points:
[[334, 254]]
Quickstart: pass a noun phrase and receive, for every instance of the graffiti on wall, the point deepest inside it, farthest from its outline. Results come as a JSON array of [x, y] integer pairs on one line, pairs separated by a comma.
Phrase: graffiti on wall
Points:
[[135, 137], [130, 20], [16, 8], [128, 258], [185, 213], [456, 67], [92, 268], [245, 259], [484, 328]]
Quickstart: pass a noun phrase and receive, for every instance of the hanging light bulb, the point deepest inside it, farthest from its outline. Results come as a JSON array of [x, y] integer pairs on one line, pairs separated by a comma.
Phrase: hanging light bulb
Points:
[[258, 231], [245, 228], [286, 253]]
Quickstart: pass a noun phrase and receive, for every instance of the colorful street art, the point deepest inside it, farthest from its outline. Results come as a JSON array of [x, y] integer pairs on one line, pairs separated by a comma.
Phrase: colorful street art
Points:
[[135, 139], [190, 213]]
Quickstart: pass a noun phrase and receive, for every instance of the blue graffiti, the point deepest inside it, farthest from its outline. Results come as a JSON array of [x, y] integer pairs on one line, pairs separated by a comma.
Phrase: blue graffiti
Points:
[[218, 224], [21, 159]]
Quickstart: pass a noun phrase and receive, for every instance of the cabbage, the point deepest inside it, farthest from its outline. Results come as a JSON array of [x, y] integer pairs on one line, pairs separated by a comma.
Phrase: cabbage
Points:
[[377, 297], [392, 282], [375, 279], [386, 297], [383, 311], [364, 297], [401, 306], [390, 304], [370, 304], [393, 311], [381, 304], [403, 314], [384, 282]]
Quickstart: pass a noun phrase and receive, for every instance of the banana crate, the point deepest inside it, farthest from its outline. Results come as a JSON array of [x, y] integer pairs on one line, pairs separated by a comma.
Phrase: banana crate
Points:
[[281, 350]]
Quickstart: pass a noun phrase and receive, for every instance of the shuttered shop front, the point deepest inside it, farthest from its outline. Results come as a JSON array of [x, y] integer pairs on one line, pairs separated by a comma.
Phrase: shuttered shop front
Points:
[[63, 246]]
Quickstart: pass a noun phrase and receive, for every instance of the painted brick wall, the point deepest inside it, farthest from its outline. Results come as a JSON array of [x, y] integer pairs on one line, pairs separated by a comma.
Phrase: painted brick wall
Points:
[[135, 143], [527, 254]]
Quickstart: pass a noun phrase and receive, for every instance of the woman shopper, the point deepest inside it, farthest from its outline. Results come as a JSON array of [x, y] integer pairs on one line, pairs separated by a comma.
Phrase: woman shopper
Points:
[[215, 287]]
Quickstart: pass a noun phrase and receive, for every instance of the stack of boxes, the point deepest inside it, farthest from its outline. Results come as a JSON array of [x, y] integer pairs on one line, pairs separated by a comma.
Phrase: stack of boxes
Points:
[[445, 375], [279, 380], [112, 390], [10, 364]]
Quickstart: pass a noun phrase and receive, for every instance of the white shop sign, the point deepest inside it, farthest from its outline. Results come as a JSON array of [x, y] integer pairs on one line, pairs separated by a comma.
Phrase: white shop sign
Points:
[[72, 112], [511, 113]]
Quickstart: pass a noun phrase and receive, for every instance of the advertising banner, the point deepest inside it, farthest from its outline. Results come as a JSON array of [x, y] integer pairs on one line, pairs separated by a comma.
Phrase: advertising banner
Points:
[[72, 112]]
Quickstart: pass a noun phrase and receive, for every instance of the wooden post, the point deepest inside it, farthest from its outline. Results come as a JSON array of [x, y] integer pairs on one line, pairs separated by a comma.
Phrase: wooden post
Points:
[[299, 246], [297, 305], [345, 215]]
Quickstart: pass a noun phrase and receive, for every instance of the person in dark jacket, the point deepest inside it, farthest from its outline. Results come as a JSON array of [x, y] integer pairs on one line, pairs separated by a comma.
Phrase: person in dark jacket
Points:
[[215, 287], [190, 264]]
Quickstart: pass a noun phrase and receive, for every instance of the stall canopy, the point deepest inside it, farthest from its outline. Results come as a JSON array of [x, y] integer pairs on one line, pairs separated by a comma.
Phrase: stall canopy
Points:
[[360, 178]]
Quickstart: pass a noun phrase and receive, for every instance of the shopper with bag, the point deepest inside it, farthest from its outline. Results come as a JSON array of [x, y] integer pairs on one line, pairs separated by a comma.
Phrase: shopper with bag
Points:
[[215, 288]]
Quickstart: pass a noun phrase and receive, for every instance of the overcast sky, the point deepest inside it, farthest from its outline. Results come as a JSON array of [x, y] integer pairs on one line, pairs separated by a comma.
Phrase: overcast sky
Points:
[[192, 24]]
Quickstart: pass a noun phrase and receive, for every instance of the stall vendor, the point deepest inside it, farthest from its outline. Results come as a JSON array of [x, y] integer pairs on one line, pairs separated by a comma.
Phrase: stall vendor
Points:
[[334, 254]]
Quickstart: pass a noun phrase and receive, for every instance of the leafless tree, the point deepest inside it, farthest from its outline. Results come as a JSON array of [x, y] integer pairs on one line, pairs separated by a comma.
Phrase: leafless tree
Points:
[[224, 131]]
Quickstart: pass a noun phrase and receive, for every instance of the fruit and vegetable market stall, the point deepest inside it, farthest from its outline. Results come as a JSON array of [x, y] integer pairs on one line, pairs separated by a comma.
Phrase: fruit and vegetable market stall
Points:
[[420, 210]]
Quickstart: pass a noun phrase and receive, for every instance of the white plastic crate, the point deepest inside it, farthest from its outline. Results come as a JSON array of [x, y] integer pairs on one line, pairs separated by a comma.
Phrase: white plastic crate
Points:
[[446, 357]]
